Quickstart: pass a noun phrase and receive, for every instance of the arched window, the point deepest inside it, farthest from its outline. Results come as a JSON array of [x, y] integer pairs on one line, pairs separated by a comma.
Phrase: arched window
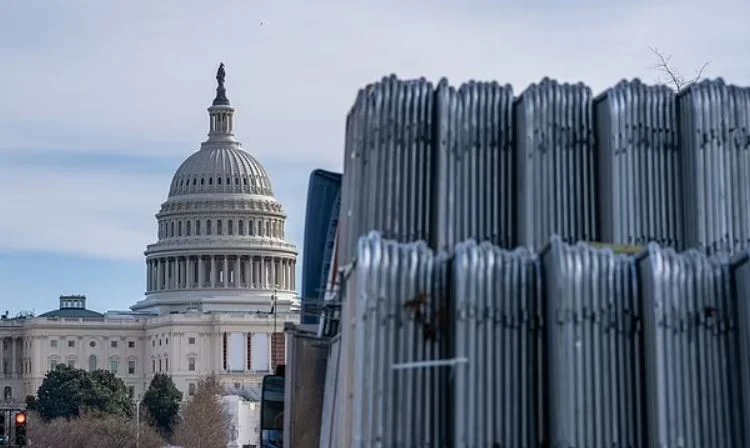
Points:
[[187, 228], [251, 228], [218, 227], [179, 228], [171, 232], [197, 228], [230, 227], [208, 227], [241, 227], [92, 363]]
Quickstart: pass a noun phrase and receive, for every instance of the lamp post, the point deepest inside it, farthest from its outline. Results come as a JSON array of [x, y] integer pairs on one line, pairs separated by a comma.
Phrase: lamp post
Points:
[[138, 422]]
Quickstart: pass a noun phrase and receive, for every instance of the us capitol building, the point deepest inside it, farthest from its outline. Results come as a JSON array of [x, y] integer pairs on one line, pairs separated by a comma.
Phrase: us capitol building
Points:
[[220, 283]]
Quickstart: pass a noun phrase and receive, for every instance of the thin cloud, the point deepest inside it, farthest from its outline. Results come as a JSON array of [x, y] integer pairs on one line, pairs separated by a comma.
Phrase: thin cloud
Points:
[[136, 77]]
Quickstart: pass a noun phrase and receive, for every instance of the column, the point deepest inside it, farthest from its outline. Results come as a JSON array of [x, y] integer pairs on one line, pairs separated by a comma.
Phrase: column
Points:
[[177, 273], [189, 268], [288, 274], [237, 275], [263, 275], [159, 273], [13, 364], [274, 279], [212, 274], [225, 268], [201, 271], [256, 276], [248, 270], [294, 275], [183, 272]]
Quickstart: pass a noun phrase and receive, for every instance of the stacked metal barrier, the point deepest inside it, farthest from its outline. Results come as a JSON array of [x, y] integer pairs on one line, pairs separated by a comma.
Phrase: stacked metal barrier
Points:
[[443, 165], [399, 398], [639, 165], [474, 172], [715, 153], [388, 163], [575, 347], [692, 357], [497, 333], [556, 162], [593, 392]]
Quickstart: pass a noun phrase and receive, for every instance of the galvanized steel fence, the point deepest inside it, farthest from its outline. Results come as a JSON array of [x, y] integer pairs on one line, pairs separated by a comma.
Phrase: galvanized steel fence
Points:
[[572, 346], [634, 165]]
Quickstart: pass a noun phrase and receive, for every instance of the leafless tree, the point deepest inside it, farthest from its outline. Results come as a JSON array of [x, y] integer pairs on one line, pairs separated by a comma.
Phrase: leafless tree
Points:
[[670, 75], [205, 422], [90, 431]]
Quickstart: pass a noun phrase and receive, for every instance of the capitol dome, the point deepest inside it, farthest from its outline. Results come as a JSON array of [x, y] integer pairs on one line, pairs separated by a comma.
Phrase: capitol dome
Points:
[[221, 169], [221, 233]]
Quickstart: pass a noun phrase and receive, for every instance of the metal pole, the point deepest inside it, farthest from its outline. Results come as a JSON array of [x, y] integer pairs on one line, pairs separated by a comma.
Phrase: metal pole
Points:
[[138, 424]]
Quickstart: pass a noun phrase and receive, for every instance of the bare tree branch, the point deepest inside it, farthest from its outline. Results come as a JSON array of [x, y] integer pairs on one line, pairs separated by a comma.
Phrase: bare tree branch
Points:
[[672, 75], [90, 431]]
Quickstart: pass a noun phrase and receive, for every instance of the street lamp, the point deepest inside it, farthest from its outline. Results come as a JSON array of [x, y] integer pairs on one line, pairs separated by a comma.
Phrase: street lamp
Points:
[[138, 422]]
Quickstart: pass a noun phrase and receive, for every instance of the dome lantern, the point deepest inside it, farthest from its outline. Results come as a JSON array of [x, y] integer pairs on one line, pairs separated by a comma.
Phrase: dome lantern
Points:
[[221, 112]]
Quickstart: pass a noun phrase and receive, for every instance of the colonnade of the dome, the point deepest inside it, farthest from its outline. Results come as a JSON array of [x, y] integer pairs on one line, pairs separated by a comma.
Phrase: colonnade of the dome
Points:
[[220, 271]]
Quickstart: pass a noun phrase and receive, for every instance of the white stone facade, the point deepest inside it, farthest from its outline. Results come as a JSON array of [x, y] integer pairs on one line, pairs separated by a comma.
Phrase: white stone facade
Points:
[[220, 284]]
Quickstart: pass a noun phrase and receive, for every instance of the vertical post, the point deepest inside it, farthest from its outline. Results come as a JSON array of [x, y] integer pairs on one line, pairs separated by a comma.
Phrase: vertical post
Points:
[[138, 424]]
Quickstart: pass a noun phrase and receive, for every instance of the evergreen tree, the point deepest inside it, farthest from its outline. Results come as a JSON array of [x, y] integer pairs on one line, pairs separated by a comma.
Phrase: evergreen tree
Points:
[[162, 403], [67, 392]]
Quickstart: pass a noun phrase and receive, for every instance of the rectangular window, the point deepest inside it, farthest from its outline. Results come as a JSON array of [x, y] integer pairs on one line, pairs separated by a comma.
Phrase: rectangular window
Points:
[[71, 343], [131, 344], [53, 343], [113, 344], [191, 389], [131, 392], [153, 365], [72, 364], [52, 364], [113, 366], [166, 365], [160, 365], [191, 341], [191, 364], [131, 367]]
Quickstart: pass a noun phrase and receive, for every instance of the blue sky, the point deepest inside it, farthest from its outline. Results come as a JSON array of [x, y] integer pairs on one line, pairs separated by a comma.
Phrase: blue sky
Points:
[[101, 101]]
